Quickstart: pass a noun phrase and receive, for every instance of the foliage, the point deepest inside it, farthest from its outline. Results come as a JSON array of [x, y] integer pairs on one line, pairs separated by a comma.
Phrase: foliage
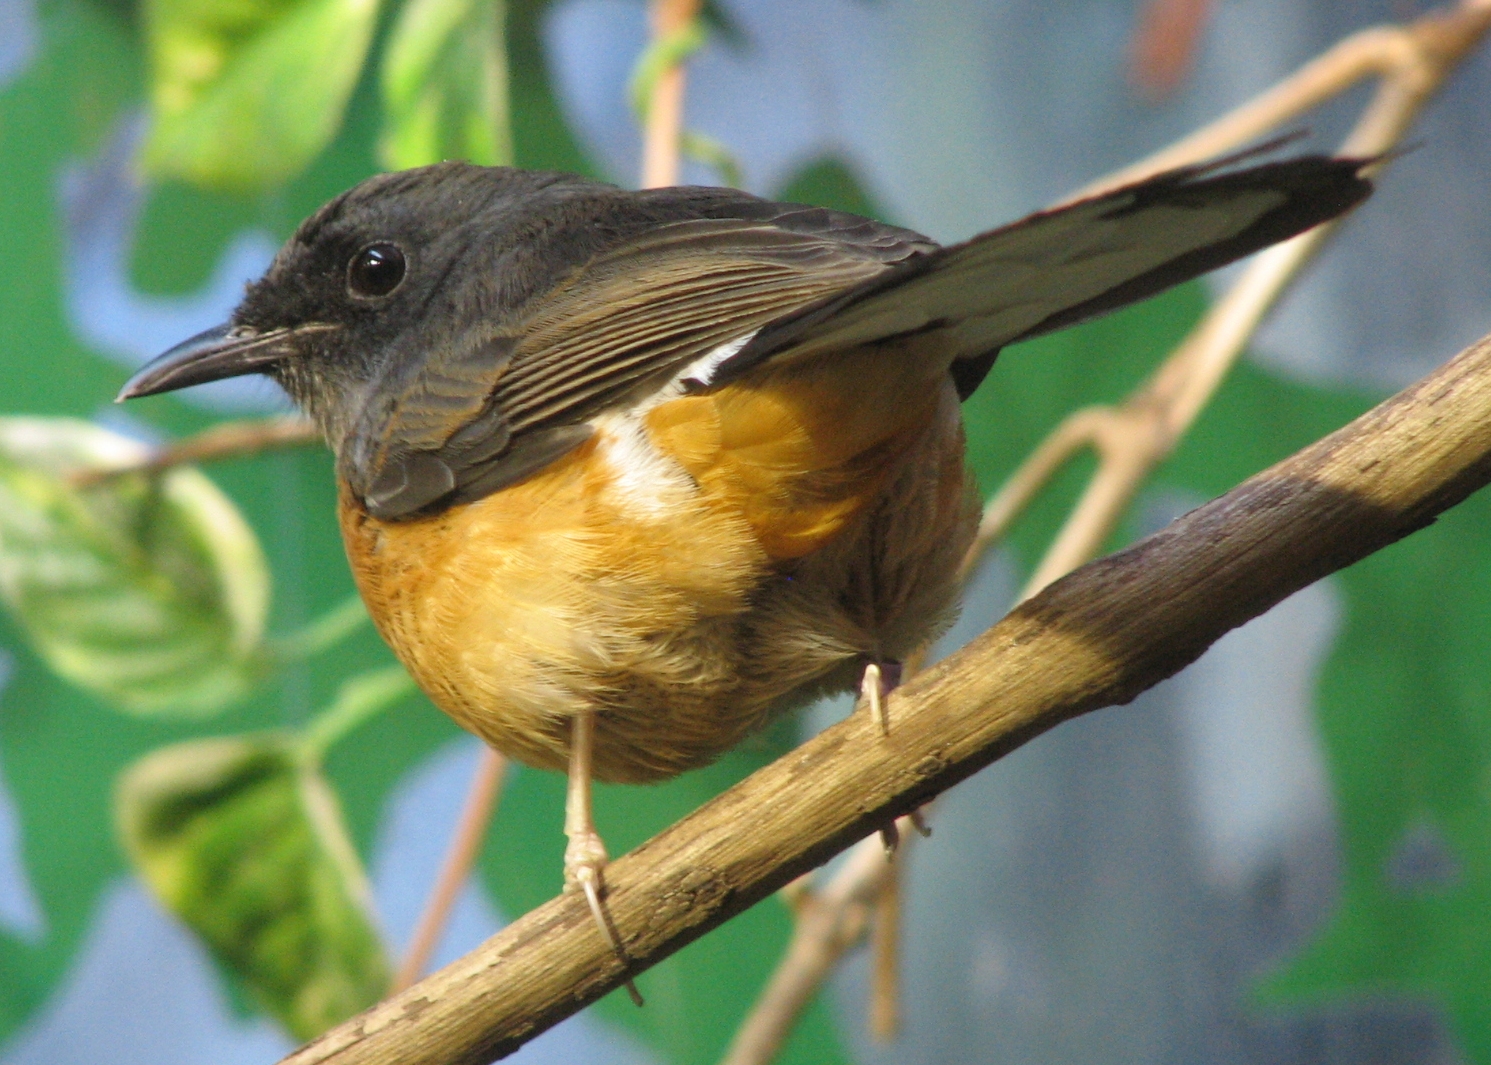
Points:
[[261, 109], [445, 84], [242, 839], [245, 94], [148, 592]]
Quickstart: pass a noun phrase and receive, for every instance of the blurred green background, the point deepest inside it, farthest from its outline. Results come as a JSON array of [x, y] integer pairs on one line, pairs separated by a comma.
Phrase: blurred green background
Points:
[[1285, 857]]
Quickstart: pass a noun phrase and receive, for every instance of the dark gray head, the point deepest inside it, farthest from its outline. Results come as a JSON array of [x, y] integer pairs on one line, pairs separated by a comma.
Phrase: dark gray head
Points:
[[396, 267]]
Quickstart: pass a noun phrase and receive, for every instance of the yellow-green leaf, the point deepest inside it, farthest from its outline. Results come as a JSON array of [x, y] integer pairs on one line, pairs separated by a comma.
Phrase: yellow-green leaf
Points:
[[242, 839], [445, 85], [150, 592], [245, 93]]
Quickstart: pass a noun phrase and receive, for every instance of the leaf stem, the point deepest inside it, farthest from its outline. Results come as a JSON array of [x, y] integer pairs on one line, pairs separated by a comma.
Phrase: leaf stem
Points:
[[359, 700], [659, 82]]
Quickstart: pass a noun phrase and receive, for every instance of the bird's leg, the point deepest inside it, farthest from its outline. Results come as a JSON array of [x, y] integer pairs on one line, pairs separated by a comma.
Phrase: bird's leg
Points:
[[585, 855], [879, 680]]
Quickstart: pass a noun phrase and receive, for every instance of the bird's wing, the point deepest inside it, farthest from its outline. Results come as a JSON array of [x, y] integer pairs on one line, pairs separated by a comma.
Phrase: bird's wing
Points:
[[1062, 266], [787, 284], [499, 406]]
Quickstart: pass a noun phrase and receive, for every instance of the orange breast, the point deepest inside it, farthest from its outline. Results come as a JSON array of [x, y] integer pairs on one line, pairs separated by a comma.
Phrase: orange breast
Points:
[[561, 595], [626, 578]]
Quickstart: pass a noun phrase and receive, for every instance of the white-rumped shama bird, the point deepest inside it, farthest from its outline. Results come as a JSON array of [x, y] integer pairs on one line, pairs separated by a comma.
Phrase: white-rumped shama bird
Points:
[[622, 474]]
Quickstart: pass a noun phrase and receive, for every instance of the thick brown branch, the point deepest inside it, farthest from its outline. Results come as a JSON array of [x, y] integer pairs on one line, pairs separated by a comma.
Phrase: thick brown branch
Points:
[[1133, 438], [1096, 638]]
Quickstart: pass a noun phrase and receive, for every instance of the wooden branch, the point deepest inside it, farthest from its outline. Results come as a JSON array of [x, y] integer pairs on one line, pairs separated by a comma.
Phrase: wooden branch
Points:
[[1096, 638], [826, 924], [1415, 56], [1133, 438], [885, 955]]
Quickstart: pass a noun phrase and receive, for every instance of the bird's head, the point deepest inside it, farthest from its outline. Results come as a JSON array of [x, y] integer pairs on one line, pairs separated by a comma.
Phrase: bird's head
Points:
[[372, 283]]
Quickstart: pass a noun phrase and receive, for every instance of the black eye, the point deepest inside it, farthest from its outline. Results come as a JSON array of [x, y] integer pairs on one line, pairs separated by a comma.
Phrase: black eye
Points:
[[376, 270]]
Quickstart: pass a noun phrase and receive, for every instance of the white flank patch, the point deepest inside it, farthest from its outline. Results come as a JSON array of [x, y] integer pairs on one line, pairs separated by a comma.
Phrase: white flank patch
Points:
[[644, 479], [700, 372]]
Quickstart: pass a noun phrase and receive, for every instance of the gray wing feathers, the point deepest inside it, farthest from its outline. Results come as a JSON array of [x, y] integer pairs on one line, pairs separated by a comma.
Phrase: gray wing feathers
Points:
[[1061, 266]]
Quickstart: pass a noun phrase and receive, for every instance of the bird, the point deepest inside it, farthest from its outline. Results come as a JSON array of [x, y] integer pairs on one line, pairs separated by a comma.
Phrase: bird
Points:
[[623, 474]]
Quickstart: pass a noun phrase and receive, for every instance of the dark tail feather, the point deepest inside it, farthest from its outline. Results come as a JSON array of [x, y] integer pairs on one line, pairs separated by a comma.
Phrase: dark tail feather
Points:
[[1063, 266]]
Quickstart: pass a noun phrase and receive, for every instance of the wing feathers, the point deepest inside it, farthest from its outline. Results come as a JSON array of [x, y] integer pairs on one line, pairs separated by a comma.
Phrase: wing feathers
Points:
[[803, 282], [494, 412], [1062, 266]]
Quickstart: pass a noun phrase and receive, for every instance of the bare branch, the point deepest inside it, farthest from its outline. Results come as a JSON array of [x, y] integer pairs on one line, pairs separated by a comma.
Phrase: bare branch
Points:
[[1093, 639], [222, 441], [828, 923], [1136, 436], [1415, 58], [1133, 438], [885, 954], [664, 124]]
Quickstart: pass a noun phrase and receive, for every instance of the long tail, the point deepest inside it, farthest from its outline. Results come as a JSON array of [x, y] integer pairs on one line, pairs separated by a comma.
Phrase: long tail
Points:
[[1062, 266]]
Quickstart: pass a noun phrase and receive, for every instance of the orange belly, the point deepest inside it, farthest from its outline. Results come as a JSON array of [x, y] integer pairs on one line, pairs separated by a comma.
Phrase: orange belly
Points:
[[683, 574]]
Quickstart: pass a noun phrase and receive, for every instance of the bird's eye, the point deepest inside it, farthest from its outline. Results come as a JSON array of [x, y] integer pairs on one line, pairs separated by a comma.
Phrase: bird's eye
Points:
[[376, 270]]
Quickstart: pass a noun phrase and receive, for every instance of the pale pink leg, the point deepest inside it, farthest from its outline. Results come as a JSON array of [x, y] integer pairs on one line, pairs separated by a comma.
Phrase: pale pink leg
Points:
[[585, 855]]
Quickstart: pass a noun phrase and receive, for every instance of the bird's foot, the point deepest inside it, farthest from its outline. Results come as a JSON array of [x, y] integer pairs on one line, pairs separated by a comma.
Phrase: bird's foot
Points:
[[584, 862], [584, 858], [890, 834]]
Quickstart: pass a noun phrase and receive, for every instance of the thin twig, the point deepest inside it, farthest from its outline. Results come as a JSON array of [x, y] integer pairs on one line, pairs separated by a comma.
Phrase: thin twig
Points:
[[460, 857], [1403, 54], [885, 953], [664, 124], [828, 922], [222, 441], [1068, 440], [1099, 637], [1133, 438]]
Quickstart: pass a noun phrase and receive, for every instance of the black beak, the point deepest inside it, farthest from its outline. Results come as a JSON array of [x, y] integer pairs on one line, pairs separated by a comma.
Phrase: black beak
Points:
[[226, 351]]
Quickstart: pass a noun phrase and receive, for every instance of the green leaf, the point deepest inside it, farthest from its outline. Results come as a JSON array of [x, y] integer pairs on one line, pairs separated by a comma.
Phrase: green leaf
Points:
[[242, 839], [245, 93], [150, 592], [445, 85], [62, 749], [829, 181]]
